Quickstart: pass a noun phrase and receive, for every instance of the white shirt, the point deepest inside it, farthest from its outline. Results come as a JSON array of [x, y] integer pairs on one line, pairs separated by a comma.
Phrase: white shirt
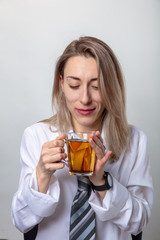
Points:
[[125, 210]]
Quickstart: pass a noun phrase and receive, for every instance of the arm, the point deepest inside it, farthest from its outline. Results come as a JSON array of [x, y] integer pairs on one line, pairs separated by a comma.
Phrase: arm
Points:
[[128, 204], [96, 143], [50, 160], [30, 202]]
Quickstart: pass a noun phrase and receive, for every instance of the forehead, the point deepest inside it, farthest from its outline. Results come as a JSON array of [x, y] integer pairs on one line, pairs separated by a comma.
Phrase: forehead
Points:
[[81, 65]]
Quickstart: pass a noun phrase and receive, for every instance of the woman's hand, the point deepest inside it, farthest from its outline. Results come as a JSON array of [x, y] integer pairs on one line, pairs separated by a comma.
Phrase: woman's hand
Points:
[[96, 143], [52, 154]]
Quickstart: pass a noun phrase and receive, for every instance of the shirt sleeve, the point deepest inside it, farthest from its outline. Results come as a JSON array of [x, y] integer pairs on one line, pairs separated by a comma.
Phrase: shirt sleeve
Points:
[[129, 206], [28, 203]]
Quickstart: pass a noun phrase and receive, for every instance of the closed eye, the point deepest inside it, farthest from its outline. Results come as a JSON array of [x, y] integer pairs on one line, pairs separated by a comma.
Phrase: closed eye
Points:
[[74, 87], [95, 87]]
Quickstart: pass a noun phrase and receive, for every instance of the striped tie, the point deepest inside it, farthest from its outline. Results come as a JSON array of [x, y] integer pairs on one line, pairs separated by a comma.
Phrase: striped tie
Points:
[[82, 226]]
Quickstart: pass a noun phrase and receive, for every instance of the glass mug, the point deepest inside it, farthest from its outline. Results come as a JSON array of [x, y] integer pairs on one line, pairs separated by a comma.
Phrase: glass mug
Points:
[[81, 156]]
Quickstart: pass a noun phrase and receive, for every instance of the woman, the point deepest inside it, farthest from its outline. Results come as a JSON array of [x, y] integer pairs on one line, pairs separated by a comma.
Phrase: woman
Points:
[[88, 95]]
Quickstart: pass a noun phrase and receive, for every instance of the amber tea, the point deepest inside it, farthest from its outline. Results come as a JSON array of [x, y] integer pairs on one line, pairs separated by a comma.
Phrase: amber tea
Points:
[[81, 157]]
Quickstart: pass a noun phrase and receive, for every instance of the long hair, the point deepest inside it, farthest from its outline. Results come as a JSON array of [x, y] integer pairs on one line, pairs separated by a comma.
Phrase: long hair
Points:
[[111, 87]]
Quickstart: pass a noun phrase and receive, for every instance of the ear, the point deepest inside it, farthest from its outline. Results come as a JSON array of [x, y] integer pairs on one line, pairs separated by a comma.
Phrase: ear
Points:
[[61, 81]]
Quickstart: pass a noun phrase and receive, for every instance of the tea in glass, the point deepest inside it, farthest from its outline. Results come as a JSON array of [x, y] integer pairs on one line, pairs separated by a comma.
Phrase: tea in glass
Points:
[[81, 156]]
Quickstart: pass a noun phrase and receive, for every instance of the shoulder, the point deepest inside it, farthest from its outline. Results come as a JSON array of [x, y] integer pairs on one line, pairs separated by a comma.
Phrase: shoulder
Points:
[[137, 136], [41, 130], [38, 127]]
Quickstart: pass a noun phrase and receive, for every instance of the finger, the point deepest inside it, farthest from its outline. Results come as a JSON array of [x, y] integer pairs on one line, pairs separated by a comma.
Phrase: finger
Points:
[[58, 142], [97, 133], [62, 136], [54, 158], [107, 156], [101, 139], [97, 139], [54, 151], [98, 148], [101, 163], [98, 151], [54, 166]]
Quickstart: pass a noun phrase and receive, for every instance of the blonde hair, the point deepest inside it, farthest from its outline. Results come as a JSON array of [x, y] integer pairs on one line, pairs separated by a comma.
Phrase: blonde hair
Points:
[[111, 87]]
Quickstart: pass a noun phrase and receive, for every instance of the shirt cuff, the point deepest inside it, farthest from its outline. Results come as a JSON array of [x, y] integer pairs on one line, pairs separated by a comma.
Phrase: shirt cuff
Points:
[[41, 204], [113, 202]]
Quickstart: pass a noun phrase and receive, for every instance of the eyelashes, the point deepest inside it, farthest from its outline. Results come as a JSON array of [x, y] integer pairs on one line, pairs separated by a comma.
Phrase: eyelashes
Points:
[[73, 87], [77, 86]]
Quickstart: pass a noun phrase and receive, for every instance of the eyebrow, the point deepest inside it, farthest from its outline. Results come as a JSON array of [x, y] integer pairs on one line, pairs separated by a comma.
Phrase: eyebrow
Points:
[[78, 79]]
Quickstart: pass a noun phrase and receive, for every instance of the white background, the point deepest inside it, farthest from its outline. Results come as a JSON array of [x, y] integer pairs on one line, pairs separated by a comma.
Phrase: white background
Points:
[[33, 33]]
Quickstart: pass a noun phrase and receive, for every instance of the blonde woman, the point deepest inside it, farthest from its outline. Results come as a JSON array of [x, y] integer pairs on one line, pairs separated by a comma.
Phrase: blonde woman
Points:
[[88, 96]]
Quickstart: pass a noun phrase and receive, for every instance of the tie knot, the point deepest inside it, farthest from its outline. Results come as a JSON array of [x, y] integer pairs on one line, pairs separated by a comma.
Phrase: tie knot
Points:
[[84, 183]]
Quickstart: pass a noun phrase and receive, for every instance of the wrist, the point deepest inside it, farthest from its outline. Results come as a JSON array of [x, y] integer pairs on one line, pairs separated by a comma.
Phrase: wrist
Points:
[[99, 182], [106, 184], [42, 181]]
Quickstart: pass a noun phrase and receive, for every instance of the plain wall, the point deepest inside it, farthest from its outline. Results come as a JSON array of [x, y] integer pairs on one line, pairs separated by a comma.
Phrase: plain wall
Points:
[[33, 33]]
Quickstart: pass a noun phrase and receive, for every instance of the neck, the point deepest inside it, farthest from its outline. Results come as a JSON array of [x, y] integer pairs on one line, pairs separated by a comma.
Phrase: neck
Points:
[[79, 128]]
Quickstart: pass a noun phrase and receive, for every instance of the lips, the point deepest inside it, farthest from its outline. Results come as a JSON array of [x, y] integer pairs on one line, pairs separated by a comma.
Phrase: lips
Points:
[[85, 111]]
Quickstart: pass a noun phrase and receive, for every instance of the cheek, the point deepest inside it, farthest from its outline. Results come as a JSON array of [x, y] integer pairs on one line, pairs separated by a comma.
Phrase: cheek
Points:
[[100, 104], [97, 98], [71, 97]]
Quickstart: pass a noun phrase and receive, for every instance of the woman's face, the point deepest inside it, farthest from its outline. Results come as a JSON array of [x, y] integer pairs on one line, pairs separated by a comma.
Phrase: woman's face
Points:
[[80, 87]]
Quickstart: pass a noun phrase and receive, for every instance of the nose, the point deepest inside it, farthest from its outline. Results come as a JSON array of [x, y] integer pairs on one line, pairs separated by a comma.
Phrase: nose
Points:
[[85, 97]]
